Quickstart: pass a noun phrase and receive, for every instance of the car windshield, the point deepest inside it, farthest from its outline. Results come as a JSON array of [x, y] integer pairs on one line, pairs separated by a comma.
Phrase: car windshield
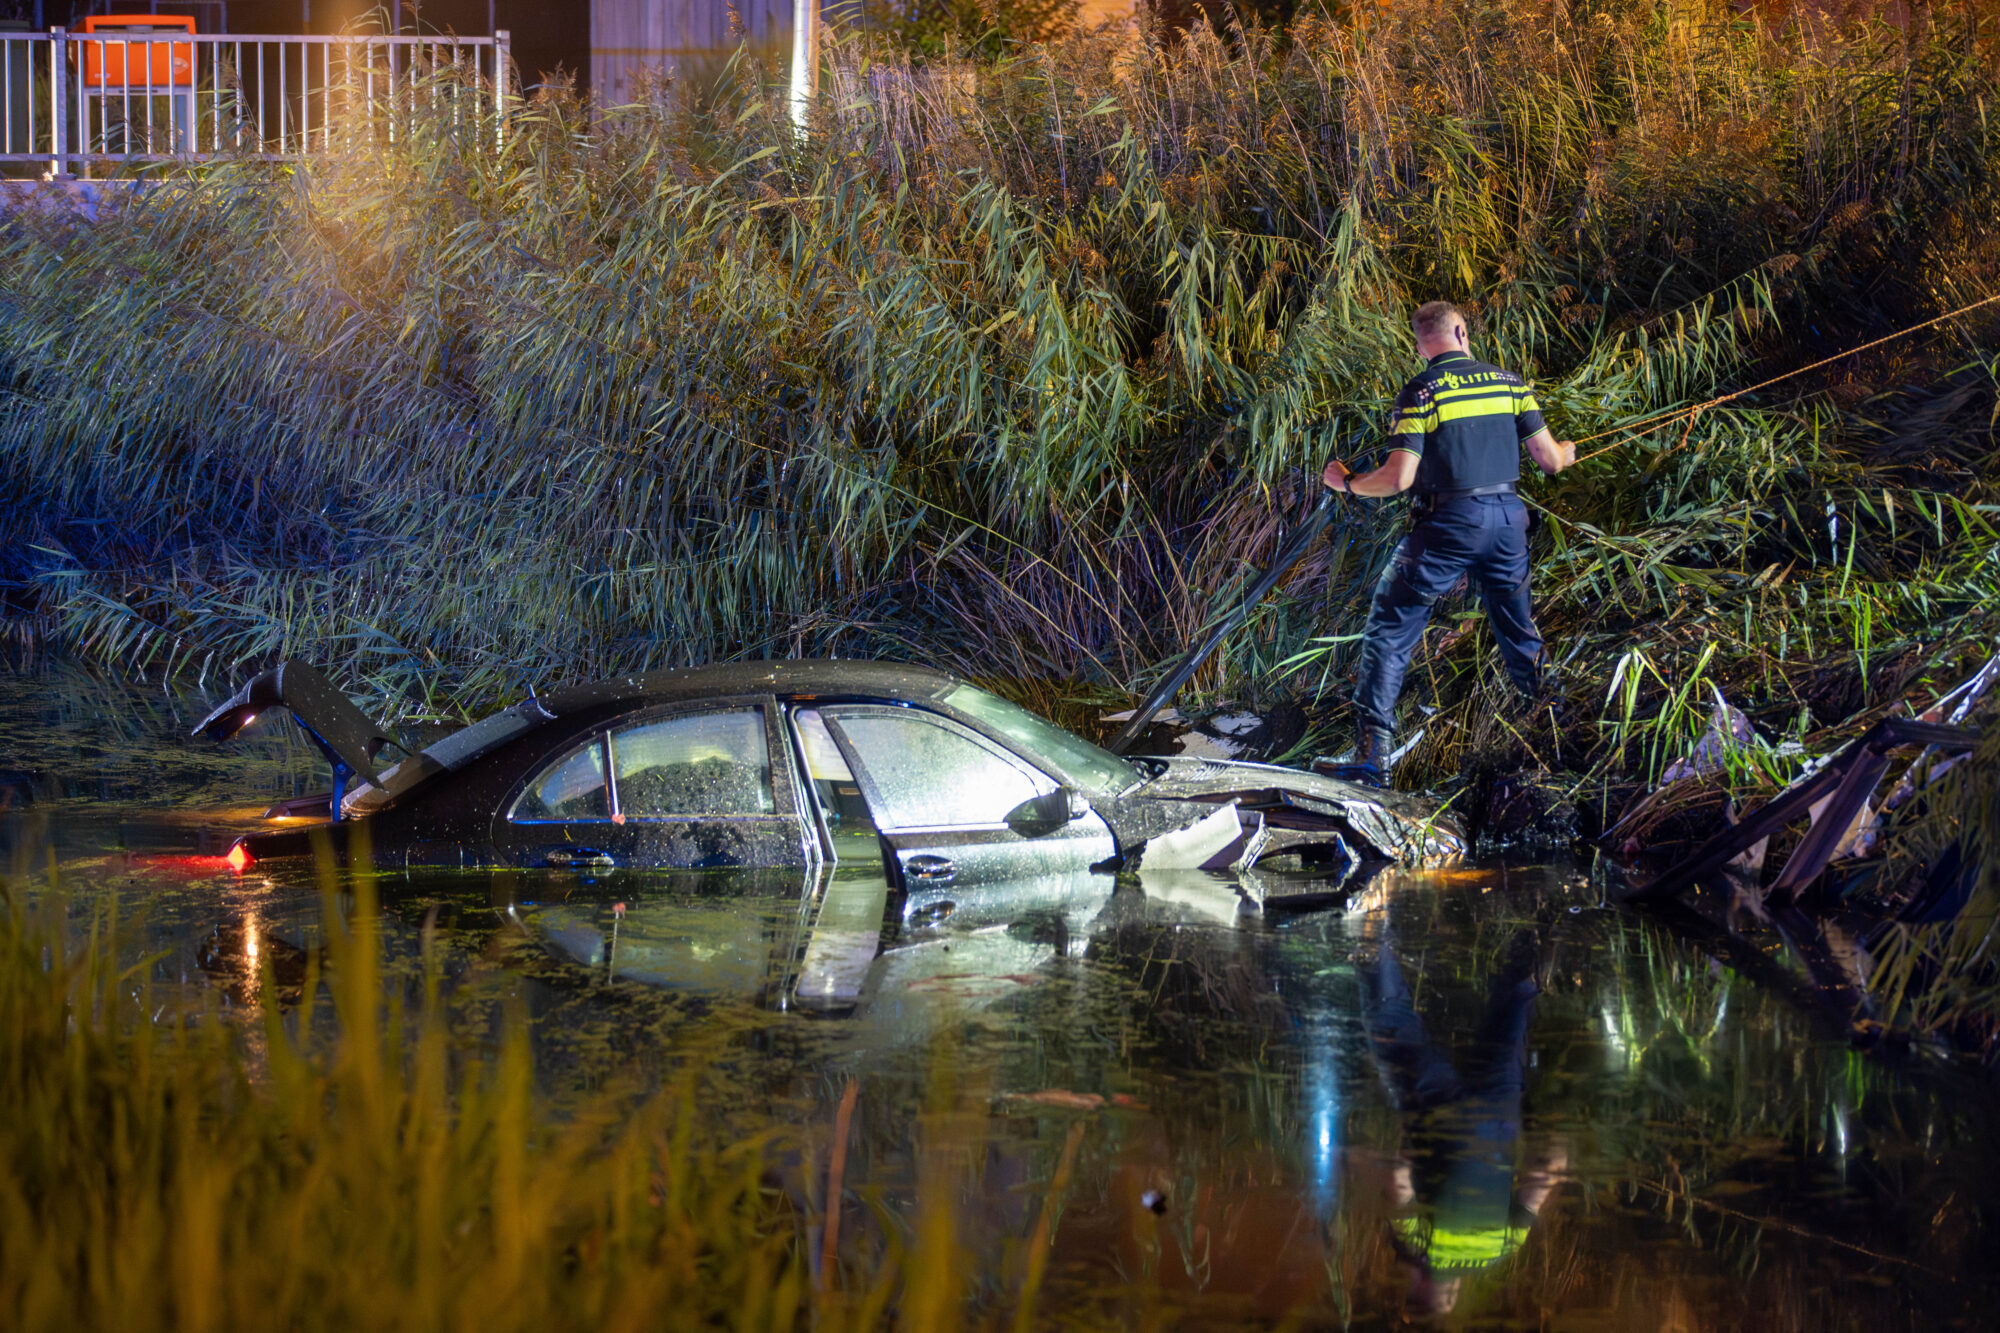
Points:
[[1096, 771]]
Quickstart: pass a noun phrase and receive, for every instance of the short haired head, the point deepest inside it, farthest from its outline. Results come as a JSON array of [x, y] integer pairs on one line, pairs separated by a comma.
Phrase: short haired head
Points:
[[1435, 318]]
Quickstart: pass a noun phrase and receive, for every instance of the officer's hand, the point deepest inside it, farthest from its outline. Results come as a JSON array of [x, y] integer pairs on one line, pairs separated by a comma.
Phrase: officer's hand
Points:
[[1335, 476]]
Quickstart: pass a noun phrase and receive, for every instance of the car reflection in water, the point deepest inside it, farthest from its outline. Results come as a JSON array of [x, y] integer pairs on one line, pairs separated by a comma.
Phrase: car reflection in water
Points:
[[898, 961], [1467, 1093], [897, 968]]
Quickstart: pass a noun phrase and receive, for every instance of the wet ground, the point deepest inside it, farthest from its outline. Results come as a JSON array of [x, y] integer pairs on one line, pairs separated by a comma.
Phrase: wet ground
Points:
[[1478, 1095]]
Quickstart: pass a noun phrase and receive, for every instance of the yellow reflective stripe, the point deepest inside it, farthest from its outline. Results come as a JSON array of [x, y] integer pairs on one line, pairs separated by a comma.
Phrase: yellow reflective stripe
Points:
[[1528, 403], [1483, 407], [1411, 425], [1470, 1248], [1475, 391]]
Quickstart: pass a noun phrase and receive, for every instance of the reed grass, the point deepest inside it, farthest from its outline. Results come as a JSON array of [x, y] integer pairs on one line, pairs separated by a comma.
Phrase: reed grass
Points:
[[944, 375], [1015, 357], [164, 1166]]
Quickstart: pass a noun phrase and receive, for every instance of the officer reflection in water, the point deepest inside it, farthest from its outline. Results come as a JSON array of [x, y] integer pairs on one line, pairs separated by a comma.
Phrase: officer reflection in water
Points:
[[1457, 432], [1458, 1208]]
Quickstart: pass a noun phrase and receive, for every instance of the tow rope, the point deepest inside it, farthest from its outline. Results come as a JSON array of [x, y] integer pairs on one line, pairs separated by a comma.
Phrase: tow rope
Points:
[[1301, 538], [1647, 425]]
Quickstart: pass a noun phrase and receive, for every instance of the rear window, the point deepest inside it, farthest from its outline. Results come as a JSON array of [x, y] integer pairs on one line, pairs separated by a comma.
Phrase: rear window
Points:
[[454, 751], [704, 764], [462, 746], [688, 766]]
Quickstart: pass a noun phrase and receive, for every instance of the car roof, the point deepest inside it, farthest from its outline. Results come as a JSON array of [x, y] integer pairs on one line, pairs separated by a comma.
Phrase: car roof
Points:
[[883, 680]]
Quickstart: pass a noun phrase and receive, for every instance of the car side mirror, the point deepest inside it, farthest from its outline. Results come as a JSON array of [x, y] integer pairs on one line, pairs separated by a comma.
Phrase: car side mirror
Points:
[[1061, 805], [1044, 814]]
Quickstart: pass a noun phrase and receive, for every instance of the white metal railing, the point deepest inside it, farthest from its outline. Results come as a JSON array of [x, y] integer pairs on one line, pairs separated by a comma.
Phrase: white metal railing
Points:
[[75, 100]]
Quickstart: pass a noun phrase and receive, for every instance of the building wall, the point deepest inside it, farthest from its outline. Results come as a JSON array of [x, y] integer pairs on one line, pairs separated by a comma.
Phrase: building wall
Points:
[[1090, 13], [628, 37]]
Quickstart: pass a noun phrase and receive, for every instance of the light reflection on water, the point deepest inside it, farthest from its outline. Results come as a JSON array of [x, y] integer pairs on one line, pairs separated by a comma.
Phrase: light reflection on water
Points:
[[1477, 1095]]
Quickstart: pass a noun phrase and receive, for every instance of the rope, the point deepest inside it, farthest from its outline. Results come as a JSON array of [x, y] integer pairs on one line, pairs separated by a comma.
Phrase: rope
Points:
[[1647, 425]]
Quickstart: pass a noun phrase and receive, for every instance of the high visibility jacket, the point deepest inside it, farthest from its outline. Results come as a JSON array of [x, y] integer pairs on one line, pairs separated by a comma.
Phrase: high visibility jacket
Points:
[[1465, 420]]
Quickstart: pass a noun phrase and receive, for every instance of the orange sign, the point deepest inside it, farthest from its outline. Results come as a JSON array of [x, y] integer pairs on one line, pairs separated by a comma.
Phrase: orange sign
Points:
[[162, 65]]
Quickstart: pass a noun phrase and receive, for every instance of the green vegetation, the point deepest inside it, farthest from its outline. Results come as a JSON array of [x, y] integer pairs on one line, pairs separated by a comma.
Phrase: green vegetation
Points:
[[941, 377], [932, 27], [163, 1166], [947, 375]]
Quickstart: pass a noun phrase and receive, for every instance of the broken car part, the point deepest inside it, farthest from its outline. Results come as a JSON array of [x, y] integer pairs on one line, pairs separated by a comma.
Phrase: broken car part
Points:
[[1296, 544], [1848, 778]]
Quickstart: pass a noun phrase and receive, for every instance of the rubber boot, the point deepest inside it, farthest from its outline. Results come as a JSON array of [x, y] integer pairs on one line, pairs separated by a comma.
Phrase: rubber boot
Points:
[[1368, 766], [1372, 747]]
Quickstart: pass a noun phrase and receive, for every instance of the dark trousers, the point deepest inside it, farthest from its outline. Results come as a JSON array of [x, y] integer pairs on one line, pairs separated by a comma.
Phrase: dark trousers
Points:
[[1485, 537], [1469, 1126]]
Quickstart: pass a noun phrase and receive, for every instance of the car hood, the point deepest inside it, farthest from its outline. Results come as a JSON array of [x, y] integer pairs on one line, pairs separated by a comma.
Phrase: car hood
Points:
[[1396, 825]]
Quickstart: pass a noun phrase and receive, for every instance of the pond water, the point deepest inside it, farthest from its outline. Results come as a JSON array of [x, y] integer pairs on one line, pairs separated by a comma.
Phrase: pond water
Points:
[[1477, 1095]]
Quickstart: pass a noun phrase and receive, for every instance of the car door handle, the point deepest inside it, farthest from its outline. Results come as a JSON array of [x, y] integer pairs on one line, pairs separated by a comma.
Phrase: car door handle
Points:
[[928, 868]]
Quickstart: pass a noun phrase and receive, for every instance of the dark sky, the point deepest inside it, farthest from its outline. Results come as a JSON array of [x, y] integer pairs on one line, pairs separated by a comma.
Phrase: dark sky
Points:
[[547, 34]]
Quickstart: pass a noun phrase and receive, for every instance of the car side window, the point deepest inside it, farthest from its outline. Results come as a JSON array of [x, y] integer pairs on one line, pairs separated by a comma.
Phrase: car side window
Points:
[[928, 774], [833, 782], [693, 765], [571, 789]]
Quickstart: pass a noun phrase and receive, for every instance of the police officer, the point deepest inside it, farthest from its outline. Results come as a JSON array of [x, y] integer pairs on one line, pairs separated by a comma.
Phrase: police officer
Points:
[[1457, 431]]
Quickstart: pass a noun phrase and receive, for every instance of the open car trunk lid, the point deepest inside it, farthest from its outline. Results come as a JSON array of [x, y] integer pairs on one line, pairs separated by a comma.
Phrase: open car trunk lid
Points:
[[348, 737]]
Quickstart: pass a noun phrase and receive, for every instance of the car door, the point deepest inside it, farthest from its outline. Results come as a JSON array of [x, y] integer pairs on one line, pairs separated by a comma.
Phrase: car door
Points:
[[690, 785], [953, 808]]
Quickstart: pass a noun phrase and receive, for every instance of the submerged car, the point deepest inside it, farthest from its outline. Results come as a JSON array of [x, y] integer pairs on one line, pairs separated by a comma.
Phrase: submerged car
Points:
[[803, 763]]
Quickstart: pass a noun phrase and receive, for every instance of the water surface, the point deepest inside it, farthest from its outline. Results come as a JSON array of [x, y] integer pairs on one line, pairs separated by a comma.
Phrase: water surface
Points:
[[1476, 1095]]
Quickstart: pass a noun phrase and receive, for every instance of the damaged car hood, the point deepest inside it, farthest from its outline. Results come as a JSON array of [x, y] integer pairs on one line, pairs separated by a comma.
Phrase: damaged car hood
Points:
[[1278, 807]]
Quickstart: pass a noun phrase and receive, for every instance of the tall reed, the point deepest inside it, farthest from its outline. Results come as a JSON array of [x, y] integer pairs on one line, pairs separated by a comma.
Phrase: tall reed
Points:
[[163, 1166], [951, 373]]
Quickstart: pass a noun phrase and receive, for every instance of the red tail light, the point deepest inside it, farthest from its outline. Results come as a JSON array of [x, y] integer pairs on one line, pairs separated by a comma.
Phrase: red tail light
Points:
[[238, 857]]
